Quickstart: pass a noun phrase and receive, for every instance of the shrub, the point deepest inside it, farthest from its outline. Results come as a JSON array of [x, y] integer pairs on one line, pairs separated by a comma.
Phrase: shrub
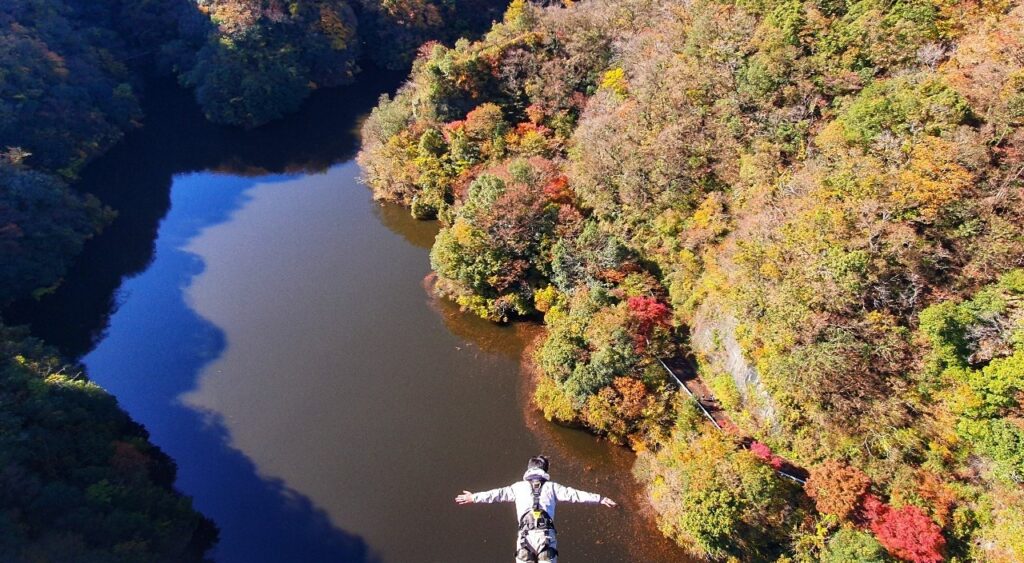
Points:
[[553, 401], [848, 545], [765, 454], [647, 314], [837, 488], [713, 499]]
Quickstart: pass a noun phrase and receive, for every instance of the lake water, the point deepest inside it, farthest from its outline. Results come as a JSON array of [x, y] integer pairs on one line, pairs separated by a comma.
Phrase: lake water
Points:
[[270, 326]]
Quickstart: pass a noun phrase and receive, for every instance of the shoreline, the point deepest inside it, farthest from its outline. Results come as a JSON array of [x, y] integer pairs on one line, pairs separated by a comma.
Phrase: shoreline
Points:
[[565, 442]]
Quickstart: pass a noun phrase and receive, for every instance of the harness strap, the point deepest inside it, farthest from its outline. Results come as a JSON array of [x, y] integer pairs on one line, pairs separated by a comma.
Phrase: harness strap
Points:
[[527, 553], [537, 518]]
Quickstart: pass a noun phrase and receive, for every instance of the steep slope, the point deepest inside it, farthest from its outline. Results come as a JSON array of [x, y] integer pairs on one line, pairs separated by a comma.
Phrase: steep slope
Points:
[[812, 190]]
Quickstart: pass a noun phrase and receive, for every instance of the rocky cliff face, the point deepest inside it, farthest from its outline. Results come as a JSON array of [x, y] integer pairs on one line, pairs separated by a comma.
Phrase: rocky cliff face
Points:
[[713, 337]]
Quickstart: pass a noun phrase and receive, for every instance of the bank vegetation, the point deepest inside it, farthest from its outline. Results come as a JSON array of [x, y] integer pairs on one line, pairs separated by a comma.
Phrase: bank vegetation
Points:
[[820, 201]]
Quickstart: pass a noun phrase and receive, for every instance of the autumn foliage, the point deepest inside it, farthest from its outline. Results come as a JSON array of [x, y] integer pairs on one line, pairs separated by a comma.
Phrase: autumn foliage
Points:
[[837, 488], [89, 485], [908, 533], [819, 201], [647, 313], [764, 453]]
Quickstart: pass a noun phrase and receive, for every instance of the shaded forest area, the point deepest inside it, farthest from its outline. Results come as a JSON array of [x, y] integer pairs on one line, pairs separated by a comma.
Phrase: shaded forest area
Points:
[[73, 73], [78, 479], [819, 200]]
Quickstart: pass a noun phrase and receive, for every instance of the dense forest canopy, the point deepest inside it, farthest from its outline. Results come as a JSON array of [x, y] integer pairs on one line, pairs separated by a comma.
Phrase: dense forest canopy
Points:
[[72, 75], [79, 481], [820, 201], [261, 58]]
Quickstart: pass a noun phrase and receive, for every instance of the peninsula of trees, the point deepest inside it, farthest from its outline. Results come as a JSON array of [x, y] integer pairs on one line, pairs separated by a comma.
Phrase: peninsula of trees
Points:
[[819, 200]]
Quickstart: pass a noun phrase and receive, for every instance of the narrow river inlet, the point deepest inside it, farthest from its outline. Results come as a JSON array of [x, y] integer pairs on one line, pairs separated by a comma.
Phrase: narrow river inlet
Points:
[[269, 324]]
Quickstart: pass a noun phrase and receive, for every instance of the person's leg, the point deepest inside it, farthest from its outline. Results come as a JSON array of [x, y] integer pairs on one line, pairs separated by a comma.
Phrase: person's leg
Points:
[[523, 552], [545, 544], [523, 555], [550, 552]]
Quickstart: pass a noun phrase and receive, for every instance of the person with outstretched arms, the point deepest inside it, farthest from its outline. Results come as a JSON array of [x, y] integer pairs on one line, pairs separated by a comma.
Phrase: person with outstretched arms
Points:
[[535, 498]]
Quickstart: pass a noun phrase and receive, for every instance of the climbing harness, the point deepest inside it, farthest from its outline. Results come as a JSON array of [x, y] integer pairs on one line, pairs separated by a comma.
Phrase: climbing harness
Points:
[[533, 521], [537, 518]]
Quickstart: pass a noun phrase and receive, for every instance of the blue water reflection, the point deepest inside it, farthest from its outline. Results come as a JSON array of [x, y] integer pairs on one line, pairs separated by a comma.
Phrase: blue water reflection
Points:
[[340, 430], [148, 360]]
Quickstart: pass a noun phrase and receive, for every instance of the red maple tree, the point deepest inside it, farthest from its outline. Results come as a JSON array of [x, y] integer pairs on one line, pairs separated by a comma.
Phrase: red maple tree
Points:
[[647, 313], [908, 533]]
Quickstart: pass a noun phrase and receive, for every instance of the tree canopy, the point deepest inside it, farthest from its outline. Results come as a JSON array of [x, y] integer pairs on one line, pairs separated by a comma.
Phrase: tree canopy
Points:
[[80, 481], [820, 201]]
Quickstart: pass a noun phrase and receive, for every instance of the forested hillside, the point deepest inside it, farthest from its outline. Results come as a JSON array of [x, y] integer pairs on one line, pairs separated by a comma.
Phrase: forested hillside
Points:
[[261, 58], [820, 201], [66, 96], [72, 74], [79, 481]]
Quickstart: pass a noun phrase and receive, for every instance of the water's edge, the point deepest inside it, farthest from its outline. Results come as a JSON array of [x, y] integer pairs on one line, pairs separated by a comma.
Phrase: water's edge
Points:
[[319, 405]]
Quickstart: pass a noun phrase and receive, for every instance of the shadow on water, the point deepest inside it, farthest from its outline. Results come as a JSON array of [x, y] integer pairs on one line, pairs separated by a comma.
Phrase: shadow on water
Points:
[[397, 219], [135, 179], [301, 467], [261, 519]]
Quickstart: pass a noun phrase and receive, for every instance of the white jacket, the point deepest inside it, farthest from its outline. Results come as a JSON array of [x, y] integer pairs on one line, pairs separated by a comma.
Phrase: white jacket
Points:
[[522, 494]]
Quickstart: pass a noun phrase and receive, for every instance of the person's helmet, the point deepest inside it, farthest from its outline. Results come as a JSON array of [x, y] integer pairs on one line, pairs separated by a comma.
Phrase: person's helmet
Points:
[[538, 462]]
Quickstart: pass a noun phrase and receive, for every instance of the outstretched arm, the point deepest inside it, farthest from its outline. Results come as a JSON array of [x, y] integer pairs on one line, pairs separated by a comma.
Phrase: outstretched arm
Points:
[[569, 494], [503, 494]]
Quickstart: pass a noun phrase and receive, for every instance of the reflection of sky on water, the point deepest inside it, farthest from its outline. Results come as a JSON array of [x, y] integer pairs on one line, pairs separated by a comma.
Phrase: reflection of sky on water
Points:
[[338, 379], [281, 348], [319, 436], [151, 353], [135, 178]]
